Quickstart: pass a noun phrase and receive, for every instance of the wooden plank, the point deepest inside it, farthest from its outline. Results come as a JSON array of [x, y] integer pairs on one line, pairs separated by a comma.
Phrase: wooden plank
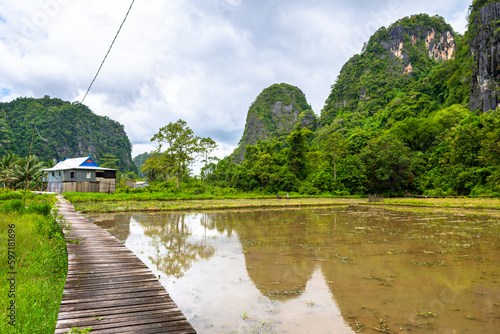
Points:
[[113, 319], [110, 289], [115, 311]]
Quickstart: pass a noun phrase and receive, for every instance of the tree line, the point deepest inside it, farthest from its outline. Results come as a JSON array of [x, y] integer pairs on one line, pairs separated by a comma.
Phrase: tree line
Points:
[[452, 152]]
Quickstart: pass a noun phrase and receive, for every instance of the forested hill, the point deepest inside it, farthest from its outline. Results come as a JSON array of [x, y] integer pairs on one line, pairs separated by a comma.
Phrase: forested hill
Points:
[[68, 130], [274, 113], [399, 75], [415, 112]]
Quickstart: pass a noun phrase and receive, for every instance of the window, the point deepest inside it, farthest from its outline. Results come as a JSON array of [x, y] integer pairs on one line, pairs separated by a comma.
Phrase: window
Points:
[[71, 175], [89, 175], [109, 174]]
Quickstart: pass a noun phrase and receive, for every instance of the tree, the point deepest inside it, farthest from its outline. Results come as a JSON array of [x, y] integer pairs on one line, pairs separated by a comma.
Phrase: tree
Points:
[[109, 160], [296, 154], [389, 164], [27, 170], [207, 146], [181, 147], [151, 167], [334, 147], [7, 165]]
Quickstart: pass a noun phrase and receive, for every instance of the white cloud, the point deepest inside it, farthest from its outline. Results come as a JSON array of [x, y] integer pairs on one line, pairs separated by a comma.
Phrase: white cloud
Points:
[[202, 61]]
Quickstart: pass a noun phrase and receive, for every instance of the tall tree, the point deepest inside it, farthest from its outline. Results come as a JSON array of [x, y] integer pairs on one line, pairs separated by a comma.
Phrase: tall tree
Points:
[[334, 147], [182, 147], [207, 146], [296, 154]]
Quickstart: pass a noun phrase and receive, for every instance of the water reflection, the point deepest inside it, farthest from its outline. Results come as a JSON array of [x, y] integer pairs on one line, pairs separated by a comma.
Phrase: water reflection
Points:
[[270, 270], [174, 249], [276, 262]]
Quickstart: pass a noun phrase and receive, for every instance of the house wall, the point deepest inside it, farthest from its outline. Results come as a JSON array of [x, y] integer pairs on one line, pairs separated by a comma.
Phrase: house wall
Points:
[[55, 186], [106, 185], [55, 176], [79, 175], [81, 187]]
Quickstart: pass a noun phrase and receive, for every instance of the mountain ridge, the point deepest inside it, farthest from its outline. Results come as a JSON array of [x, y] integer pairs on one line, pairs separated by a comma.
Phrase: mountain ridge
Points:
[[63, 130]]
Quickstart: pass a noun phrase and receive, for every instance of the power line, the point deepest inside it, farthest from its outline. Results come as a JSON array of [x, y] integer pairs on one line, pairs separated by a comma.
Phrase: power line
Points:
[[114, 39], [39, 133]]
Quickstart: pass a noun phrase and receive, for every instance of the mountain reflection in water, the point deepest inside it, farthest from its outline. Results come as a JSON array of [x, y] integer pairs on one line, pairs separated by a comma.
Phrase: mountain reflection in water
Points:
[[323, 270]]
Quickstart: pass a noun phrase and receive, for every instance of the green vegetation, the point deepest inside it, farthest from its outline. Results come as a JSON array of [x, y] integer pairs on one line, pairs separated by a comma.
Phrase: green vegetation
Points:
[[387, 127], [130, 205], [64, 129], [182, 149], [140, 160], [193, 195], [274, 113], [17, 173], [39, 259], [461, 203]]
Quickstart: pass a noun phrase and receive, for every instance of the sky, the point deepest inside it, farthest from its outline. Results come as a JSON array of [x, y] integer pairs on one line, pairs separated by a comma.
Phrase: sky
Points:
[[202, 61]]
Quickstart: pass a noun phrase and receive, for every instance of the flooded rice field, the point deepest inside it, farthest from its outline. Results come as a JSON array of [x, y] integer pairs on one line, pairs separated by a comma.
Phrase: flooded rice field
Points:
[[323, 270]]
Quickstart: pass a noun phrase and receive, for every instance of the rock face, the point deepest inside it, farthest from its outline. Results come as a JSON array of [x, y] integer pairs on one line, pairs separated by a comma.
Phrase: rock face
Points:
[[485, 48], [439, 45], [276, 112], [407, 51]]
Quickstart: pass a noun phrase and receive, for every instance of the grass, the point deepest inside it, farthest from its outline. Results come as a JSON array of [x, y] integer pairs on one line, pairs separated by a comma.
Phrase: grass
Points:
[[166, 201], [462, 202], [209, 204], [39, 264]]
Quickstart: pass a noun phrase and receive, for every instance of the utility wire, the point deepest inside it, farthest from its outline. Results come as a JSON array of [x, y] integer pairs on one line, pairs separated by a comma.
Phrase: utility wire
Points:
[[39, 133], [114, 39]]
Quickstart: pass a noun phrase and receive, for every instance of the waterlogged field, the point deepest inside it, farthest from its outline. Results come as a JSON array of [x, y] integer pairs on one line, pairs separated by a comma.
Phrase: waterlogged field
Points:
[[324, 270]]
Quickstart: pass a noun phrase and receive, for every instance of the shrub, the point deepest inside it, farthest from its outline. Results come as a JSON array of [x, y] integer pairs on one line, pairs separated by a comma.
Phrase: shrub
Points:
[[15, 205], [40, 208]]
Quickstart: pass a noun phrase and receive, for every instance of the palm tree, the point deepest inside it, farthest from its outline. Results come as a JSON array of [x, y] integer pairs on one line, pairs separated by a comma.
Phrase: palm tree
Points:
[[27, 171], [7, 166]]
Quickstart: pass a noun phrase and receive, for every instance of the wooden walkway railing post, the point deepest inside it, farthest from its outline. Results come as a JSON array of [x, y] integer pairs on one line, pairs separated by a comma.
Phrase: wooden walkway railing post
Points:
[[110, 289]]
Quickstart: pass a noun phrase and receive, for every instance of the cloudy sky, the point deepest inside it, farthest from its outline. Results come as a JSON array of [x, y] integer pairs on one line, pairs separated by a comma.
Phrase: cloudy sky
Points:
[[203, 61]]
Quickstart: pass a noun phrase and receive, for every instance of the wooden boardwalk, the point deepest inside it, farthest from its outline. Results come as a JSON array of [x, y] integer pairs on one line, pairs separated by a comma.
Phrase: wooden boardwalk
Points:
[[109, 289]]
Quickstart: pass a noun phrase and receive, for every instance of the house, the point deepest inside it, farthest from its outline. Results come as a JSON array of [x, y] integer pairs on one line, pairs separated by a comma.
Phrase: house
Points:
[[135, 185], [80, 175], [140, 184]]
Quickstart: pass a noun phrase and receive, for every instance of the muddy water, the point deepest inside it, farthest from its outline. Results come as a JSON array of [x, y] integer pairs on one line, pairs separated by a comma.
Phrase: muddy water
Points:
[[323, 270]]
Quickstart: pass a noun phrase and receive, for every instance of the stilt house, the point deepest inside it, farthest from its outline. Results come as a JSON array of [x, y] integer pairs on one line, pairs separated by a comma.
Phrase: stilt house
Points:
[[80, 175]]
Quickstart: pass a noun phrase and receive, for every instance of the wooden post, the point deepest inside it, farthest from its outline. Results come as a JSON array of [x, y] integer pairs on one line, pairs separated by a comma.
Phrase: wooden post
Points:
[[27, 167]]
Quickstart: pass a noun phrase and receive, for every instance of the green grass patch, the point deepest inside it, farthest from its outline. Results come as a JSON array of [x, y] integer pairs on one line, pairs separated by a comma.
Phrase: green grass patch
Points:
[[38, 258], [459, 202], [208, 204]]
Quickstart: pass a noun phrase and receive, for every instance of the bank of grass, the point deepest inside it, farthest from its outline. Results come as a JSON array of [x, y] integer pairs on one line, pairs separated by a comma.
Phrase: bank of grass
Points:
[[158, 201], [458, 202], [40, 264], [206, 204]]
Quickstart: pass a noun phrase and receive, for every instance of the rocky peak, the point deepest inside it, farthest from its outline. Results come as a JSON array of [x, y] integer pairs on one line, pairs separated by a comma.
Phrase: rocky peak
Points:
[[437, 41], [276, 112], [484, 46]]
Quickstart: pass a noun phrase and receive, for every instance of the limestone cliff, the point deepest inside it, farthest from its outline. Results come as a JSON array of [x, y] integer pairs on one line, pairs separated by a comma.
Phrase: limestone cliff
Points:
[[276, 112], [484, 31], [378, 78], [439, 45]]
